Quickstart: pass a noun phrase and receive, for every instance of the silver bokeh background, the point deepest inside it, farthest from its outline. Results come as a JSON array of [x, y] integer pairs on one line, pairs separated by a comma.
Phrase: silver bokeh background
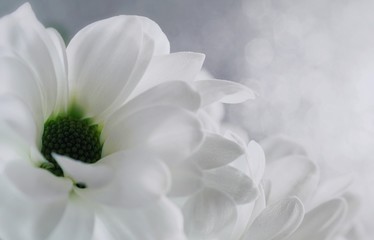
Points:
[[311, 62]]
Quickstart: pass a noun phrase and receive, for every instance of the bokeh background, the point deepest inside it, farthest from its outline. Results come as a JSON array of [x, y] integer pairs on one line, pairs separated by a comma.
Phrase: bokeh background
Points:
[[311, 63]]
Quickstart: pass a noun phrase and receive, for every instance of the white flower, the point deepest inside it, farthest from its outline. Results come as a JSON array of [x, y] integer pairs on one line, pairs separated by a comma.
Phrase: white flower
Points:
[[91, 134], [88, 132]]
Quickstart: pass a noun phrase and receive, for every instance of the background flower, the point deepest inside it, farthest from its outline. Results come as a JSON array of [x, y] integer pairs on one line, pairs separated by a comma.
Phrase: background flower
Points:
[[331, 205]]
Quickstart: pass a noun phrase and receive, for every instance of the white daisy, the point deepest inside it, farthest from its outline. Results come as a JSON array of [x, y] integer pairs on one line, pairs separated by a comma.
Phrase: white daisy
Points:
[[89, 131]]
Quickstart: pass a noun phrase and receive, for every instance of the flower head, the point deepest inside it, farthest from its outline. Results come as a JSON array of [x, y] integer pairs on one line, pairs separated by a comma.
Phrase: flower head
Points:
[[91, 133]]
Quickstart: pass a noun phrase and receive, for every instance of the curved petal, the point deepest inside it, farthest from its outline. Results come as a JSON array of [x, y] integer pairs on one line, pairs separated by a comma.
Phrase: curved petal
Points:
[[292, 176], [18, 132], [22, 33], [91, 175], [77, 222], [154, 32], [322, 222], [209, 214], [277, 221], [182, 66], [259, 204], [21, 217], [247, 213], [222, 91], [12, 147], [280, 146], [62, 83], [233, 182], [216, 151], [17, 116], [17, 80], [256, 161], [107, 225], [187, 178], [138, 179], [161, 220], [333, 187], [106, 61], [171, 132], [36, 183], [175, 93]]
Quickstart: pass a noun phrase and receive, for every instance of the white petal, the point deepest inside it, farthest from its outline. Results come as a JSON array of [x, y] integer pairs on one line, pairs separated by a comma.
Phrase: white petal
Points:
[[187, 179], [323, 221], [17, 116], [216, 151], [247, 213], [155, 33], [161, 220], [91, 175], [292, 176], [12, 147], [171, 132], [259, 205], [23, 33], [233, 182], [222, 91], [256, 161], [333, 187], [17, 80], [77, 222], [62, 82], [280, 146], [277, 221], [100, 231], [37, 183], [175, 93], [108, 225], [21, 217], [106, 60], [209, 214], [183, 66], [138, 179], [18, 133]]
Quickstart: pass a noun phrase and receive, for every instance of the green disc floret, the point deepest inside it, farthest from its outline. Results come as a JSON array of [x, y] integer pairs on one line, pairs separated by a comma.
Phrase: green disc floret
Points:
[[70, 136]]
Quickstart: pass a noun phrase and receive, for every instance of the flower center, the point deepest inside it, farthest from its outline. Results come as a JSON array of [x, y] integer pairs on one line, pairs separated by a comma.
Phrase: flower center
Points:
[[72, 137]]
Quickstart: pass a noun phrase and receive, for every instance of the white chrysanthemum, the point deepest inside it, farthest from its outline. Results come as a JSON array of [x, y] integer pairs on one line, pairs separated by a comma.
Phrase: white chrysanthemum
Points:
[[90, 131], [92, 135]]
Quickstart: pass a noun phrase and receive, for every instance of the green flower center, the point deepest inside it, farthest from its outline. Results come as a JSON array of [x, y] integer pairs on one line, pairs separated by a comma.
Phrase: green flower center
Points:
[[76, 138]]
